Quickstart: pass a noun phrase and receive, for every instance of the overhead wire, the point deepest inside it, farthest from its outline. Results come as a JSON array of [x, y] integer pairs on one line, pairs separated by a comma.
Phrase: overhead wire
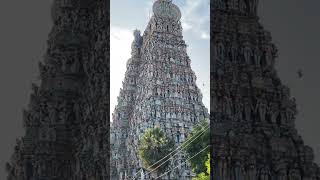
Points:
[[202, 127], [176, 152], [182, 146], [183, 162]]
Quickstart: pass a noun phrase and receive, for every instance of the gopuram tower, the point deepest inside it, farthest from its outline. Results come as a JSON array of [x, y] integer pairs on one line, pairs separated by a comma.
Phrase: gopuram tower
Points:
[[159, 90], [253, 114], [66, 122]]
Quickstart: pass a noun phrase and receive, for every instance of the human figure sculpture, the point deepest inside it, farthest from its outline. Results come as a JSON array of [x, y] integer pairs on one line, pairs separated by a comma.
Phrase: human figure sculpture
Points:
[[257, 56], [264, 173], [242, 6], [238, 106], [254, 6], [282, 174], [234, 50], [244, 79], [65, 64], [220, 52], [268, 55], [52, 112], [294, 174], [227, 106], [261, 109], [247, 52], [75, 66], [274, 112], [220, 3], [222, 168], [234, 4], [237, 170], [252, 172], [247, 109], [290, 113]]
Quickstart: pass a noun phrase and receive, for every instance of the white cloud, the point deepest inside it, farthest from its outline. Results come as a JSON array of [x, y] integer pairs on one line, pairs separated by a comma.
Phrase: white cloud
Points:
[[205, 35], [196, 17], [120, 52], [186, 27]]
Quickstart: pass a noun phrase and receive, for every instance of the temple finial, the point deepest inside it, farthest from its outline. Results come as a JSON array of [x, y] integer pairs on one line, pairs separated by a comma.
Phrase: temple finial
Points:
[[165, 9]]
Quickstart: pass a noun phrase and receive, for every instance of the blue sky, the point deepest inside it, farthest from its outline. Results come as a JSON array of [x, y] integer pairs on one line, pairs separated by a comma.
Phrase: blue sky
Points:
[[128, 15]]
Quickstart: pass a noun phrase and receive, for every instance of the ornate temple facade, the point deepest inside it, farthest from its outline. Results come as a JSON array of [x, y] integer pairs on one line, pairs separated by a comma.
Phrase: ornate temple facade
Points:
[[67, 120], [253, 114], [159, 90]]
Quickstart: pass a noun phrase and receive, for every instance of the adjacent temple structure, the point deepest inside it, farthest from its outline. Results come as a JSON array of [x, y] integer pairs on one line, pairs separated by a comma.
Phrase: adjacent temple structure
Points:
[[159, 90], [67, 120], [253, 114]]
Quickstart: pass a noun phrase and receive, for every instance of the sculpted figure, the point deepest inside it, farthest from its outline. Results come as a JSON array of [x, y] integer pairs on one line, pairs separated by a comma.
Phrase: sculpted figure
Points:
[[257, 56], [244, 79], [294, 174], [252, 172], [234, 51], [52, 112], [142, 175], [274, 112], [75, 66], [220, 52], [247, 109], [237, 170], [242, 6], [290, 113], [222, 168], [238, 109], [261, 109], [227, 106], [234, 4], [264, 173], [282, 174], [247, 52], [63, 111], [65, 64], [254, 6], [268, 55], [220, 4]]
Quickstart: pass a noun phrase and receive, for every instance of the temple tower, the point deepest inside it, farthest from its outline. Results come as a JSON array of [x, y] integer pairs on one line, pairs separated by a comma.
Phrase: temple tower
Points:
[[56, 124], [253, 114], [159, 90]]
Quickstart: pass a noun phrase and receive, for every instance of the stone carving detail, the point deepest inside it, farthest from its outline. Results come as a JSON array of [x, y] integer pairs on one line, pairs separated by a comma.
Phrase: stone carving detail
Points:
[[159, 90], [257, 139], [67, 127]]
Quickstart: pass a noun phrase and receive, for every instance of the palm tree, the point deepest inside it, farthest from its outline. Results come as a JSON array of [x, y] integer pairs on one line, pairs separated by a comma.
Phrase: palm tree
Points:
[[154, 146]]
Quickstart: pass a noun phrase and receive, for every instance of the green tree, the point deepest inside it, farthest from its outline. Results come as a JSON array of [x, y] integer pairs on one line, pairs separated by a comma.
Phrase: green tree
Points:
[[204, 176], [154, 146], [202, 134]]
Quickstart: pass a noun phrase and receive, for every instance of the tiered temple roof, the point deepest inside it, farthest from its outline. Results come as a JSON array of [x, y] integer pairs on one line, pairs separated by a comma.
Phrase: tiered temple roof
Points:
[[159, 90], [253, 124]]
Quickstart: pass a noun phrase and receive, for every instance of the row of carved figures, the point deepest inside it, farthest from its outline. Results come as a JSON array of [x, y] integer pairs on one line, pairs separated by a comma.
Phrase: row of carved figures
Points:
[[262, 111], [238, 171], [248, 54], [242, 5]]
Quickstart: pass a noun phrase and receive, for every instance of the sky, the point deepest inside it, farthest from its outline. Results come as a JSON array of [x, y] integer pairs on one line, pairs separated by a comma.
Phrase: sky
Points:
[[25, 26], [128, 15]]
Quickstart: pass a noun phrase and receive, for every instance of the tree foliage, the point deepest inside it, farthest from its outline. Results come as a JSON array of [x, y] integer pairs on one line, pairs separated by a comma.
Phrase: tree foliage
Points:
[[154, 146], [204, 176], [201, 142]]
